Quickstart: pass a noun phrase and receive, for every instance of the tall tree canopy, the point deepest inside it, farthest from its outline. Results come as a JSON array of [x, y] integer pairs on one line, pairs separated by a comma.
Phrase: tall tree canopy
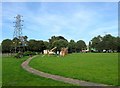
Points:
[[72, 46], [80, 45], [107, 42], [55, 39], [35, 45], [6, 45], [59, 44]]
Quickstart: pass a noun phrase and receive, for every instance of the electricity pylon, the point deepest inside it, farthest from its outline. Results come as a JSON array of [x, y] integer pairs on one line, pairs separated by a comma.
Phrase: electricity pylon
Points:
[[18, 32]]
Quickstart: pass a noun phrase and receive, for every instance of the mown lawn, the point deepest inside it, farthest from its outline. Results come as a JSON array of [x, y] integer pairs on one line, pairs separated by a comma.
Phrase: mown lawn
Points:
[[94, 67], [14, 75]]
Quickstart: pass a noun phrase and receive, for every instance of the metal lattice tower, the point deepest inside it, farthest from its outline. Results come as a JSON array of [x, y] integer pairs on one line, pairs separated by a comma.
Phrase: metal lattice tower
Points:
[[18, 27], [18, 30]]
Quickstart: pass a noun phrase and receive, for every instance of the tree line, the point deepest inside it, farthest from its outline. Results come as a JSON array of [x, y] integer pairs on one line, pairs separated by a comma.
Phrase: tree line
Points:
[[107, 43], [97, 44]]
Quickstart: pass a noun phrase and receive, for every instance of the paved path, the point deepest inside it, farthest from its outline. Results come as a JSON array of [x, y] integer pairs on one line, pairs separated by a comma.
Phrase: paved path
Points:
[[56, 77]]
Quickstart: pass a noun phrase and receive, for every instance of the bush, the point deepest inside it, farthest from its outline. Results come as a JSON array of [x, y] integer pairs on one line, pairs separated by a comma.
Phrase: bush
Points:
[[28, 53], [19, 55]]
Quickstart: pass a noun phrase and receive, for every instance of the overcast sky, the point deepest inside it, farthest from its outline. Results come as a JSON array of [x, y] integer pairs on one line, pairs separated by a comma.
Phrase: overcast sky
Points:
[[73, 20]]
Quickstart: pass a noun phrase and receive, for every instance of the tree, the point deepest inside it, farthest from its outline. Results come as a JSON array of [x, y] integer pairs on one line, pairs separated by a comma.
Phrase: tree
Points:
[[6, 45], [72, 46], [40, 46], [59, 44], [16, 44], [25, 43], [118, 43], [80, 45], [90, 46], [55, 38], [47, 45], [109, 42], [95, 42], [25, 40], [0, 48], [32, 45], [35, 45]]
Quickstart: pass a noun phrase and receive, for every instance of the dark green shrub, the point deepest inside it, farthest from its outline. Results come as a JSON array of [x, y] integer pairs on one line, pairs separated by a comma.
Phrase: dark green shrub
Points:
[[19, 55], [28, 53]]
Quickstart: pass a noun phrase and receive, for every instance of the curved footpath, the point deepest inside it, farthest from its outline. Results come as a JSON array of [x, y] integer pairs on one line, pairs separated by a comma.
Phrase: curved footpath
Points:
[[56, 77]]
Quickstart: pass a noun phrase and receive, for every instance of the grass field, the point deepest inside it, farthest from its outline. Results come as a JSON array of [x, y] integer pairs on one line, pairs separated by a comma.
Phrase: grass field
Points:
[[94, 67], [14, 75]]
